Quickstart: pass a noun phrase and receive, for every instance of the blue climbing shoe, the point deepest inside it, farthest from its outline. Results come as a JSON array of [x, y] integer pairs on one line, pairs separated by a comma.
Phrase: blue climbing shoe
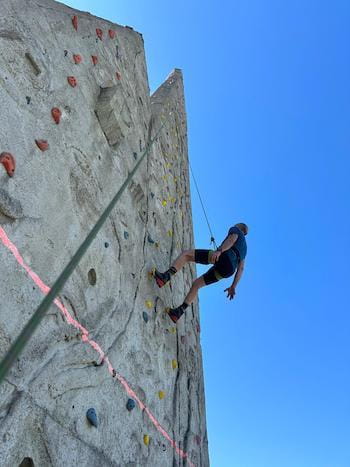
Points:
[[161, 278], [175, 313]]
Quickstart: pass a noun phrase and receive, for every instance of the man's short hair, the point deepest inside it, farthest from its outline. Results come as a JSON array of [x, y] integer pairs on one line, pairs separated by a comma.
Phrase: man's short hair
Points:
[[242, 226]]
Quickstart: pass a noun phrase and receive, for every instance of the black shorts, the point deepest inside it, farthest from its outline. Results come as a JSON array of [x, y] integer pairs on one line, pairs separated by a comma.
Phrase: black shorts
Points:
[[223, 267]]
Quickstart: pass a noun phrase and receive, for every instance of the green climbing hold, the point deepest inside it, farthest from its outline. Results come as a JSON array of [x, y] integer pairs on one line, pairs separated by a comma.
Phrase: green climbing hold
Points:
[[130, 404], [92, 417], [145, 317]]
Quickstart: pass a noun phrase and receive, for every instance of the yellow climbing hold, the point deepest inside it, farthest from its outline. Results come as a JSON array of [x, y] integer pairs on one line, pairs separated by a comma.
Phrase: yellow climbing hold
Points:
[[174, 364], [149, 304], [146, 439], [170, 233], [172, 200], [172, 330], [151, 273], [161, 394], [164, 203]]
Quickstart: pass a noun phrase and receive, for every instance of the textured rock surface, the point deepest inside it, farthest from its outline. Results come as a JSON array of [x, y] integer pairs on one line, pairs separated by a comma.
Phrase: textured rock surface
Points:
[[46, 210]]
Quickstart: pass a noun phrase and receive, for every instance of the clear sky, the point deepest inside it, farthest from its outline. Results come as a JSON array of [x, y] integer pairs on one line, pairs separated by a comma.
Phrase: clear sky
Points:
[[268, 101]]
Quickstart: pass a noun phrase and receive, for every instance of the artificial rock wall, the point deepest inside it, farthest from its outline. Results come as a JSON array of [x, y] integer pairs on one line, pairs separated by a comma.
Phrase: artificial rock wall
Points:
[[106, 339]]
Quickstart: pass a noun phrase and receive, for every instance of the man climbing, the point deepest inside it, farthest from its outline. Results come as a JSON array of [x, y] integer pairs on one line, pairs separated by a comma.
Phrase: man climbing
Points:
[[227, 259]]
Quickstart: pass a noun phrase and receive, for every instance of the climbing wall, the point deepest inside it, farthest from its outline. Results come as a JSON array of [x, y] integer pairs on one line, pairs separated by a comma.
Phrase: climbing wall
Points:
[[107, 379]]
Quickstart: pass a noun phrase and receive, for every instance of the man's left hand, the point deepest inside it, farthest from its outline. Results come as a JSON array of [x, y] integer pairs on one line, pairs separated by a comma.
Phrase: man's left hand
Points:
[[215, 256]]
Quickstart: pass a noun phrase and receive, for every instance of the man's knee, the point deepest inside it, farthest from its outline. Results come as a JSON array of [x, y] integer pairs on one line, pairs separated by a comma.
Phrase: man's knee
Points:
[[189, 255]]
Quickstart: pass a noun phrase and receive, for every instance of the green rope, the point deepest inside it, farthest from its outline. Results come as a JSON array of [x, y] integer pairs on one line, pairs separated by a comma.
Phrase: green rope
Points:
[[21, 341], [212, 239]]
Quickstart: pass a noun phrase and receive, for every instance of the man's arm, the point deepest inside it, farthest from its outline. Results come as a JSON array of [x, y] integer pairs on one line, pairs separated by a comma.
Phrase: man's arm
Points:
[[231, 291], [229, 241]]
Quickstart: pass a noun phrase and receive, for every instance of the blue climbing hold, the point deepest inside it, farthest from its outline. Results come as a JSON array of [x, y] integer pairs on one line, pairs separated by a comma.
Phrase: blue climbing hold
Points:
[[150, 240], [126, 235], [106, 244], [130, 404], [92, 417], [145, 316]]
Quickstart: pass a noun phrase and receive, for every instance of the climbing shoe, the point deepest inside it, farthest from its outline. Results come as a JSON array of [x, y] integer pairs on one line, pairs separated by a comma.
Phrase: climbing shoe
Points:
[[161, 278], [175, 313]]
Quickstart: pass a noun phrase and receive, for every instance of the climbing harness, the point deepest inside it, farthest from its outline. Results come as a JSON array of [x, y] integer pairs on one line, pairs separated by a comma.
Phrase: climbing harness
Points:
[[38, 315], [212, 239]]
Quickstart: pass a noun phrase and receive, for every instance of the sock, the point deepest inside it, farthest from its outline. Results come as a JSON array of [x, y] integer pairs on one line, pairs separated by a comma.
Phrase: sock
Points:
[[172, 271], [184, 305]]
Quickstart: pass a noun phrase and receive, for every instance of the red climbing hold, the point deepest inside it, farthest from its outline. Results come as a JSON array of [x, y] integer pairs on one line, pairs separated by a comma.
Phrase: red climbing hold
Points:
[[56, 114], [72, 81], [94, 59], [75, 22], [99, 33], [112, 33], [42, 144], [8, 161], [77, 59], [118, 75]]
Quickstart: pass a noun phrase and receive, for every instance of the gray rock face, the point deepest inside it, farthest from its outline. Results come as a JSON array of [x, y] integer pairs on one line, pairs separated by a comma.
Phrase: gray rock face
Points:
[[106, 339]]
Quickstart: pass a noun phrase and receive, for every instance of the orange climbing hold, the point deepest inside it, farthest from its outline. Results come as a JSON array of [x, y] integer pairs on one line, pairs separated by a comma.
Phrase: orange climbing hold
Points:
[[8, 161], [112, 33], [94, 59], [56, 115], [72, 81], [77, 59], [118, 75], [99, 33], [75, 22], [42, 144]]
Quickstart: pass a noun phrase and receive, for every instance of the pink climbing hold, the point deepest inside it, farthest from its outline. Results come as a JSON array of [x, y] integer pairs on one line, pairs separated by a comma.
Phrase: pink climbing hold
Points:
[[112, 33], [118, 75], [8, 161], [94, 59], [77, 59], [75, 22], [56, 114], [72, 81], [99, 33], [42, 144]]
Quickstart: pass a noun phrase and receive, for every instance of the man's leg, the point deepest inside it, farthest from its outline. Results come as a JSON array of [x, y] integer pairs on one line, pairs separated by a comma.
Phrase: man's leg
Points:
[[163, 277], [176, 313]]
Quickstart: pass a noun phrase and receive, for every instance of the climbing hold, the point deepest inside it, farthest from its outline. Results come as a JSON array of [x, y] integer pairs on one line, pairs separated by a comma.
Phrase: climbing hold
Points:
[[130, 404], [135, 155], [94, 59], [150, 274], [8, 161], [164, 203], [56, 114], [75, 22], [172, 200], [161, 394], [72, 81], [77, 58], [174, 364], [172, 330], [150, 240], [146, 439], [112, 33], [118, 75], [42, 144], [28, 99], [183, 339], [156, 245], [170, 233], [114, 373], [149, 304], [65, 53], [152, 195], [145, 316], [99, 33], [92, 417], [106, 244], [126, 235]]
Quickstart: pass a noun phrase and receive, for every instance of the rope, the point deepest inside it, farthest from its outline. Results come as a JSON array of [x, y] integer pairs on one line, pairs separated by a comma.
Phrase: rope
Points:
[[212, 239], [21, 341]]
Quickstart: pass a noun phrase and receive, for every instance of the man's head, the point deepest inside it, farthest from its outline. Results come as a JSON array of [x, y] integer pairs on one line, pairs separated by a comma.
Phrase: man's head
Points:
[[243, 227]]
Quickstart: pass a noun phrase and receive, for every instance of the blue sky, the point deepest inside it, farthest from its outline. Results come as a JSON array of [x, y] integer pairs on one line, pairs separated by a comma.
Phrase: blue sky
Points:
[[268, 99]]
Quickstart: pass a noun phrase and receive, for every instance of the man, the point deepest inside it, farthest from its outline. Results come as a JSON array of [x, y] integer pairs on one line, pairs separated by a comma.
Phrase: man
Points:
[[228, 258]]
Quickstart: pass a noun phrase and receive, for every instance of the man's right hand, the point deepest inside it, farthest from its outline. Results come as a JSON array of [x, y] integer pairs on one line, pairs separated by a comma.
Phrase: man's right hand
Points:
[[231, 292]]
